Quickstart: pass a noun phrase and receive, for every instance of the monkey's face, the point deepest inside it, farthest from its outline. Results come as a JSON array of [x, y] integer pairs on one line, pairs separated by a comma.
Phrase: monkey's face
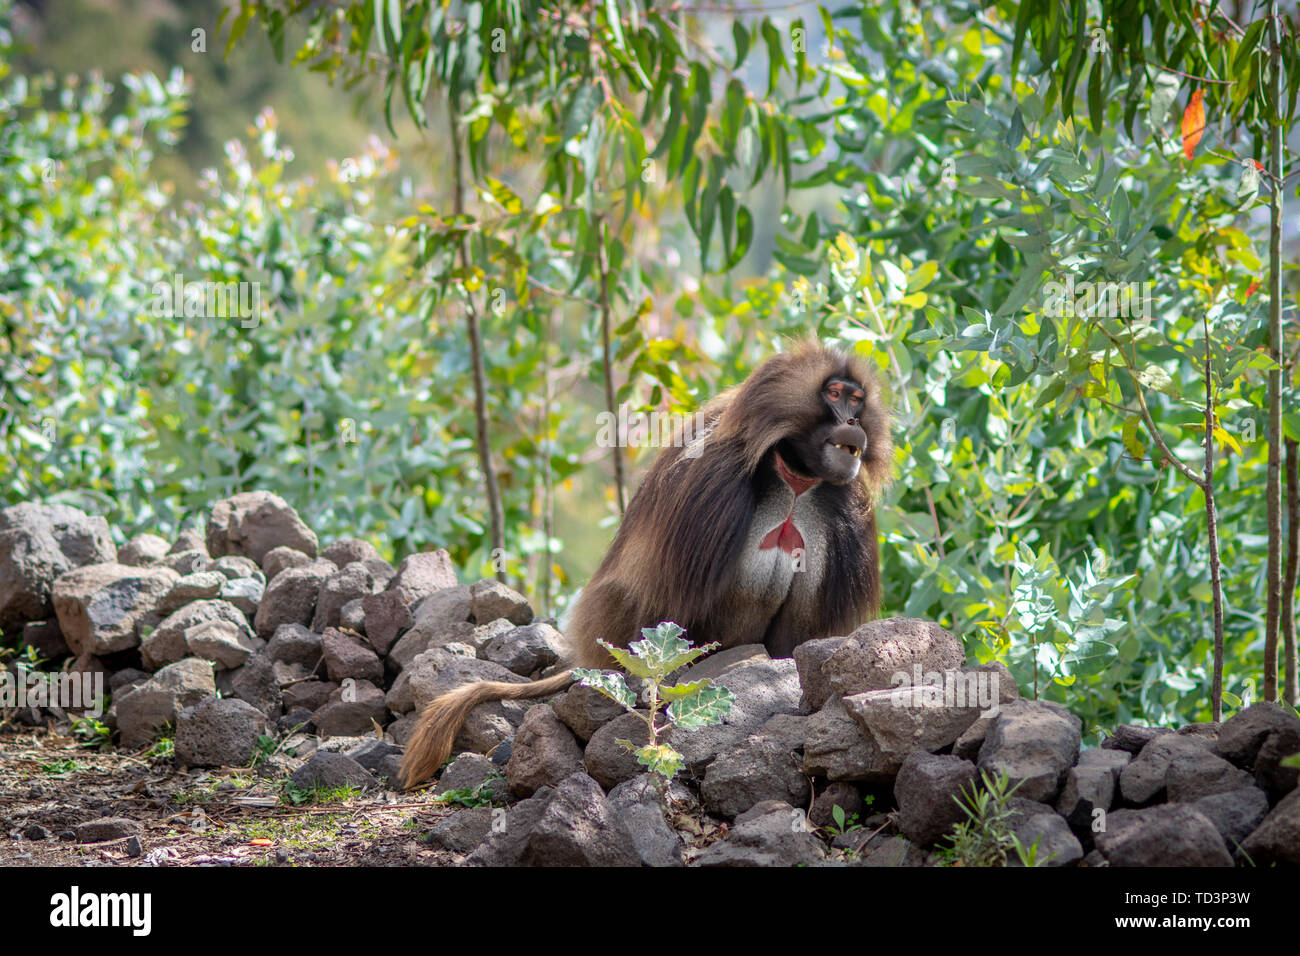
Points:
[[833, 449]]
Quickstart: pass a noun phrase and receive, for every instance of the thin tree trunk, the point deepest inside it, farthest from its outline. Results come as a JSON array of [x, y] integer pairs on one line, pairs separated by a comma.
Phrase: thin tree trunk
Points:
[[548, 492], [476, 360], [1212, 536], [608, 361], [1292, 567], [1273, 491]]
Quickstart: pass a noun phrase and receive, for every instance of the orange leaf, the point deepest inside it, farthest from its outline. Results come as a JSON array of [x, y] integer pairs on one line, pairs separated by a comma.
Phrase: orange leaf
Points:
[[1258, 165], [1250, 289], [1193, 123]]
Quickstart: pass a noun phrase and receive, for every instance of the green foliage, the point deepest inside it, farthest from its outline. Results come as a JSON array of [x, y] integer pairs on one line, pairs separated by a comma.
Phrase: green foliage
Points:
[[661, 652], [59, 768], [290, 793], [483, 795], [985, 837]]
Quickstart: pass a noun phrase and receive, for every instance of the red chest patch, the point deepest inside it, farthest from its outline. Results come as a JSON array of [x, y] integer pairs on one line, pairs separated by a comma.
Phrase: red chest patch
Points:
[[786, 535]]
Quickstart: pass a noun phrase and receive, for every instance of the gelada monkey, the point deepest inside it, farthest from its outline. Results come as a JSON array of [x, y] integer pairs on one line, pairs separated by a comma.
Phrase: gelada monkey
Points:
[[760, 528]]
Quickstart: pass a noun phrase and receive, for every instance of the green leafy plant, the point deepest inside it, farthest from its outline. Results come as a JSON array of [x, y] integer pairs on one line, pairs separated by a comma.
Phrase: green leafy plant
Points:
[[659, 653], [92, 732], [59, 767], [843, 822], [986, 838], [162, 747], [482, 795], [301, 796]]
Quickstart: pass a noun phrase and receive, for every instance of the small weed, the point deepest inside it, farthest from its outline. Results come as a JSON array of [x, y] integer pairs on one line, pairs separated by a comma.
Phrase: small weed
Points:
[[58, 768]]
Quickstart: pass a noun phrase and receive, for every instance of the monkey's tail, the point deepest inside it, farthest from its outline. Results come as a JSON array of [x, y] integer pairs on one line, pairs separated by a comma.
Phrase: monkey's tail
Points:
[[443, 716]]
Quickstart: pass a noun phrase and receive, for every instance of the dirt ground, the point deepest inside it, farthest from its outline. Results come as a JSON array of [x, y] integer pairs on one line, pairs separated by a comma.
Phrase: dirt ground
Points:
[[191, 817]]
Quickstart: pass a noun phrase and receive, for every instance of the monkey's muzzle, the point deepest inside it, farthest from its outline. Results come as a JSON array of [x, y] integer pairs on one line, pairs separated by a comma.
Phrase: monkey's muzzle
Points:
[[848, 439]]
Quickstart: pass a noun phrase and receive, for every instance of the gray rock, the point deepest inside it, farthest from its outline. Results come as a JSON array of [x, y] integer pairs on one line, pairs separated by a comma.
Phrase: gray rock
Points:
[[345, 551], [145, 709], [1044, 835], [219, 733], [720, 662], [609, 762], [346, 584], [291, 597], [490, 599], [332, 770], [100, 606], [891, 851], [462, 831], [1132, 738], [441, 618], [809, 658], [585, 710], [254, 522], [347, 656], [308, 695], [226, 644], [197, 586], [352, 616], [245, 594], [1091, 785], [762, 688], [769, 834], [578, 828], [187, 562], [1235, 814], [143, 551], [423, 574], [755, 770], [46, 638], [1277, 839], [490, 725], [790, 729], [1257, 739], [837, 748], [437, 671], [354, 707], [38, 543], [1276, 779], [256, 684], [928, 788], [840, 794], [525, 650], [1034, 741], [236, 567], [1143, 780], [544, 753], [637, 806], [878, 651], [388, 615], [1173, 834], [281, 559], [295, 644], [507, 841], [189, 539], [105, 829], [469, 771], [1198, 774], [169, 641]]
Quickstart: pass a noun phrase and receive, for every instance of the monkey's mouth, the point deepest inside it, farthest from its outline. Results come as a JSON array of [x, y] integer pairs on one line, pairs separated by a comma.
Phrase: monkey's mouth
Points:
[[853, 450]]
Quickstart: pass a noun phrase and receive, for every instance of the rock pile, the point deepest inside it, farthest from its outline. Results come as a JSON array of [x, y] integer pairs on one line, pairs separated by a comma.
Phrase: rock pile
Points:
[[851, 753]]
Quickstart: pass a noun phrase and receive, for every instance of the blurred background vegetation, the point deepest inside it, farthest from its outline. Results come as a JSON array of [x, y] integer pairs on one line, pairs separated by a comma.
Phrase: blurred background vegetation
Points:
[[900, 178]]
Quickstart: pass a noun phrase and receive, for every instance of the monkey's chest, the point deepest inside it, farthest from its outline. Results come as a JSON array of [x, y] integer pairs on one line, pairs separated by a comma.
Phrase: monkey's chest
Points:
[[784, 549]]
